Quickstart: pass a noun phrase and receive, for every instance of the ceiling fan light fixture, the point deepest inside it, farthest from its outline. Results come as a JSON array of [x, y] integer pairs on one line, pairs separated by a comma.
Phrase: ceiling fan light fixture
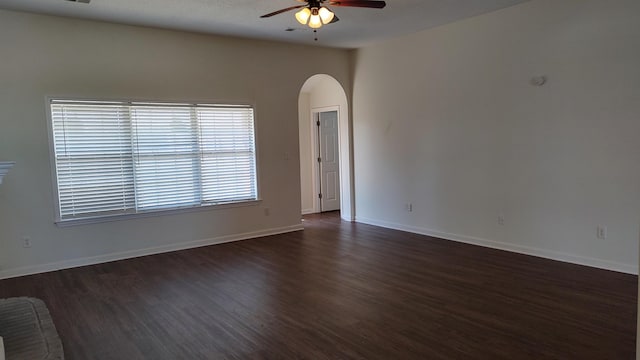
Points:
[[303, 16], [314, 21], [326, 15], [314, 15]]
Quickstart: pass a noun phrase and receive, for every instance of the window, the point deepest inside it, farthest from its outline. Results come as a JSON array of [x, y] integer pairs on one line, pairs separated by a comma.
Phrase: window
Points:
[[115, 158]]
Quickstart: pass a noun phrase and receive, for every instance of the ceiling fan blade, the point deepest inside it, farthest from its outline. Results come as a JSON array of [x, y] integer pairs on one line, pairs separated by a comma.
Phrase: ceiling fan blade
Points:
[[359, 3], [335, 19], [282, 10]]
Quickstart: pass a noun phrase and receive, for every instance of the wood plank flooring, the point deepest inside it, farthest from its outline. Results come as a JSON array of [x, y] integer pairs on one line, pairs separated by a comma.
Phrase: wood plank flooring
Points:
[[338, 291]]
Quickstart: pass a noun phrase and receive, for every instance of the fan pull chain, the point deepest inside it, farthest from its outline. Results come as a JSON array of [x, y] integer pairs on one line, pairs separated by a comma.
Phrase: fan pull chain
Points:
[[315, 35]]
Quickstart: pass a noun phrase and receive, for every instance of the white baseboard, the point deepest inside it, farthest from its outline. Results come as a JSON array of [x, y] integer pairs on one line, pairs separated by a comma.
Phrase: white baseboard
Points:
[[308, 211], [543, 253], [36, 269]]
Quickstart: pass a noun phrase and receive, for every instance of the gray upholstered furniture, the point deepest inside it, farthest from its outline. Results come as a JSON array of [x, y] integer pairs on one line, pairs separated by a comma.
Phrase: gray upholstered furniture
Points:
[[28, 331]]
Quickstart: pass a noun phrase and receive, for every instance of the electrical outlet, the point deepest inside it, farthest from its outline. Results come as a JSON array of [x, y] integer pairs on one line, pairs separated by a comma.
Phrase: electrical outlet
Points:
[[602, 232], [408, 207], [26, 242], [500, 219]]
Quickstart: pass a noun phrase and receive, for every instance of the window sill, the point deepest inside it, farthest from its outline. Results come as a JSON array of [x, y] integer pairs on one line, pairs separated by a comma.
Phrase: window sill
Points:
[[153, 213]]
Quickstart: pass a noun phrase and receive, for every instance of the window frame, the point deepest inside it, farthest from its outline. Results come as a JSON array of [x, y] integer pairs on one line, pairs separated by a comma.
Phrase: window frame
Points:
[[58, 221]]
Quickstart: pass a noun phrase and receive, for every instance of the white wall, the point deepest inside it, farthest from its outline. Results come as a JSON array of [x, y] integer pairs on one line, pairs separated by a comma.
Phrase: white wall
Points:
[[306, 153], [446, 119], [322, 91], [43, 55]]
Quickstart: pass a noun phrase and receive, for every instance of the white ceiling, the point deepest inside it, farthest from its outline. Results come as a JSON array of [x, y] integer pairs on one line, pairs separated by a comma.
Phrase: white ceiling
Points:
[[357, 26]]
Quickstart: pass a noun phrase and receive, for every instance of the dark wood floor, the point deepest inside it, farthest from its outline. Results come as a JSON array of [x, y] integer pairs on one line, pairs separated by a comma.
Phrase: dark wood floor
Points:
[[338, 291]]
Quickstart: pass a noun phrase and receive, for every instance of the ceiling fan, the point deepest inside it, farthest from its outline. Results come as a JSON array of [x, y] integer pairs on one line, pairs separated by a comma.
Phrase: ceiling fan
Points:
[[315, 15]]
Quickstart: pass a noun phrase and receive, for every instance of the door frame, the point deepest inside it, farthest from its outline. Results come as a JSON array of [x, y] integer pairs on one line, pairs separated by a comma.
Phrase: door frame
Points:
[[315, 173]]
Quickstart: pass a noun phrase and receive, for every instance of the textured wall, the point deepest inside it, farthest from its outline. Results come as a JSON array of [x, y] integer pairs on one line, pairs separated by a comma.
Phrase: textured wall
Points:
[[49, 56], [446, 119]]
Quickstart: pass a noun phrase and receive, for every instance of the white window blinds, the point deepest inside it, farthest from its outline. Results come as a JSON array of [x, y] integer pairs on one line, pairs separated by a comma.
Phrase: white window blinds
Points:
[[93, 157], [165, 142], [228, 154], [127, 157]]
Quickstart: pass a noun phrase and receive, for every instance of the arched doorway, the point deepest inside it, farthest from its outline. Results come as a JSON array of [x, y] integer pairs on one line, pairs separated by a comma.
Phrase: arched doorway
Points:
[[322, 97]]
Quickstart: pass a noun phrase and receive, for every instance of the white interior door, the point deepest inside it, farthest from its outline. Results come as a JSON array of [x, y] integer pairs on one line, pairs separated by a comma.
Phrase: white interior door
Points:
[[329, 161]]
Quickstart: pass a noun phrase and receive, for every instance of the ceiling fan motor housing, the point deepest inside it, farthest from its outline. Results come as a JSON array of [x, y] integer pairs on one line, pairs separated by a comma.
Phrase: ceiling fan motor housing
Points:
[[314, 4]]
